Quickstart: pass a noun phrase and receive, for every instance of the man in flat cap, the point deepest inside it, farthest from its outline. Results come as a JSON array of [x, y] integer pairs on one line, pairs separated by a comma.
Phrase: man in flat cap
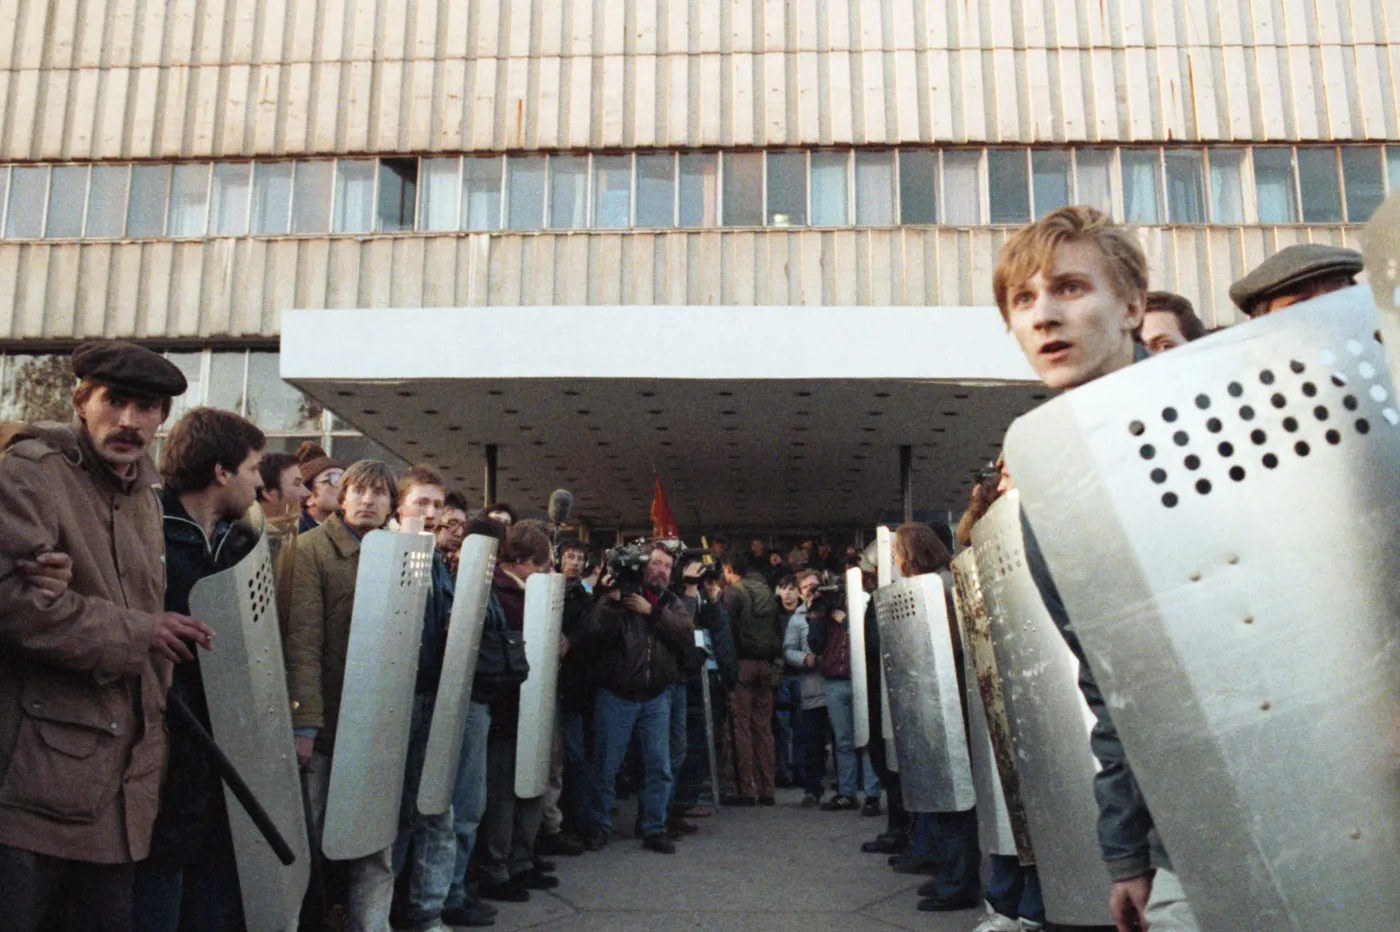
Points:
[[83, 671], [1294, 275]]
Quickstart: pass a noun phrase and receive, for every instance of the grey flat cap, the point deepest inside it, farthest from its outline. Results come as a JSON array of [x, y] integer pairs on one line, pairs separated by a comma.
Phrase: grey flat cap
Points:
[[123, 365], [1289, 267]]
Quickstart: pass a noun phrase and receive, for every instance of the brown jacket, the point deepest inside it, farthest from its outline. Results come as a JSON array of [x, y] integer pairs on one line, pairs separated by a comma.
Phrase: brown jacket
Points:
[[80, 772], [318, 626]]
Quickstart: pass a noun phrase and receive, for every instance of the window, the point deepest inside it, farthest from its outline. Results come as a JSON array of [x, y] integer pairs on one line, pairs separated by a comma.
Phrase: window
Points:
[[1050, 178], [1093, 177], [918, 186], [272, 196], [67, 189], [962, 186], [1007, 187], [1363, 173], [481, 192], [787, 189], [228, 198], [227, 383], [830, 189], [1226, 186], [875, 192], [525, 184], [192, 366], [24, 215], [612, 191], [150, 191], [1186, 191], [439, 194], [311, 196], [273, 404], [1320, 185], [4, 196], [656, 190], [568, 191], [1142, 186], [398, 193], [36, 388], [1274, 191], [354, 196], [743, 189], [1392, 163], [699, 194], [189, 200]]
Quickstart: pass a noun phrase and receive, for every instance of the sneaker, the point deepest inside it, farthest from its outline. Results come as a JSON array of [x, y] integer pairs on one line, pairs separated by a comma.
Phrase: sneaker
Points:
[[509, 891], [536, 879], [661, 843], [871, 807], [839, 803], [993, 921], [595, 840], [811, 801], [474, 914], [560, 843]]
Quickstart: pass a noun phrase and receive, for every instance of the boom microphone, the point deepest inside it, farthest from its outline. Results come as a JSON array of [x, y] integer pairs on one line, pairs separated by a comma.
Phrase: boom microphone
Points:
[[561, 504]]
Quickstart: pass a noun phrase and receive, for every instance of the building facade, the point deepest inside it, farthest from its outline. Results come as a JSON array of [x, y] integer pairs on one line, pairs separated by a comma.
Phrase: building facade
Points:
[[183, 172]]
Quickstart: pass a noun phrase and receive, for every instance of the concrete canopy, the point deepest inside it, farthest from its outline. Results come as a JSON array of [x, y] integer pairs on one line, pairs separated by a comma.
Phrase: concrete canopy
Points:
[[762, 418]]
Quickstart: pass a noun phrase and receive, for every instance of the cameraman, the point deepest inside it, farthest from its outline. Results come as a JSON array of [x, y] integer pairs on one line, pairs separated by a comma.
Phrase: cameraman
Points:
[[638, 636]]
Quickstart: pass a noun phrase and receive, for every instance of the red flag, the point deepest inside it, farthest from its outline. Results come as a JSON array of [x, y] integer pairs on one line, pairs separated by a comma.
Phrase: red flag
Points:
[[663, 523]]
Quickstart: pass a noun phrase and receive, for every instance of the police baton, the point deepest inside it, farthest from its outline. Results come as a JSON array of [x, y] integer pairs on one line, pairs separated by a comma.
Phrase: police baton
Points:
[[230, 775]]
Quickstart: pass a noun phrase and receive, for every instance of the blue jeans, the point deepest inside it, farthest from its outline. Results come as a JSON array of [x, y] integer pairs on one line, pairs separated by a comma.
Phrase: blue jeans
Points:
[[469, 799], [614, 720], [786, 737], [840, 709], [1014, 889], [950, 838], [193, 898], [679, 735], [578, 781], [425, 843]]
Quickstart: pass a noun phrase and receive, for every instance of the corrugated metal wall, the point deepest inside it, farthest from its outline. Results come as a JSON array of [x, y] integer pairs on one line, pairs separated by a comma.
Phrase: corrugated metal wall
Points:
[[186, 78], [238, 287]]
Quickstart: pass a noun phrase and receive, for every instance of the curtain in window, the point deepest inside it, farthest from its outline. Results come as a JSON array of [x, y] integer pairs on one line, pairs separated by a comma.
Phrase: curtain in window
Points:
[[830, 188], [525, 183], [189, 200], [24, 215], [699, 194], [354, 195], [743, 189], [440, 194], [612, 190], [311, 196], [150, 189], [67, 188], [272, 196], [656, 190], [1093, 170], [228, 201], [1142, 186], [1274, 192], [1050, 171], [481, 192], [962, 188], [568, 191], [875, 189], [1186, 196], [1226, 186]]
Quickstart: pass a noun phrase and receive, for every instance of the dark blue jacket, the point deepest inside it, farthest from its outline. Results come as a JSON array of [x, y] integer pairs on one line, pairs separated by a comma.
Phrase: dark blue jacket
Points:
[[436, 613]]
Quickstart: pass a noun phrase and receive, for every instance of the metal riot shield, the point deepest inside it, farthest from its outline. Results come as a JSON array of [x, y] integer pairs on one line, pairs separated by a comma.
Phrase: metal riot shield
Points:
[[885, 573], [917, 649], [1001, 819], [1381, 251], [376, 707], [856, 601], [475, 566], [534, 739], [245, 682], [1223, 524], [700, 642], [1049, 723]]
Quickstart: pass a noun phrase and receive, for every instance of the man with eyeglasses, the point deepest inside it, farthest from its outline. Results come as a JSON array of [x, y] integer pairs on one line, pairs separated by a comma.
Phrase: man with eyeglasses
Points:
[[452, 530], [322, 475]]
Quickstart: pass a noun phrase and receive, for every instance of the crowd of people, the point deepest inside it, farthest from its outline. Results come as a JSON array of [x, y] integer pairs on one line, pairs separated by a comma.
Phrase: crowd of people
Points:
[[112, 815]]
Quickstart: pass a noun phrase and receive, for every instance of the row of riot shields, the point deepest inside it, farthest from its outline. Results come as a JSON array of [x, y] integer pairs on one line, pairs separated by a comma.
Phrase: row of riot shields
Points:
[[245, 680]]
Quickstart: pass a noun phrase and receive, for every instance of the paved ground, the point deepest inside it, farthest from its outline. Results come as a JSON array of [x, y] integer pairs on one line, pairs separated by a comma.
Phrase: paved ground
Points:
[[778, 869]]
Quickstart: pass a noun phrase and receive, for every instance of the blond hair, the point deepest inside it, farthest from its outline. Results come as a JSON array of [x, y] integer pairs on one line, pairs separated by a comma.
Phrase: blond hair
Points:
[[1031, 249]]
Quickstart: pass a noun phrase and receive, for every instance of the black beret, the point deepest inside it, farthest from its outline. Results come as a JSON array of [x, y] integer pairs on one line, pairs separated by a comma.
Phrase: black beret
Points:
[[118, 364], [1292, 266]]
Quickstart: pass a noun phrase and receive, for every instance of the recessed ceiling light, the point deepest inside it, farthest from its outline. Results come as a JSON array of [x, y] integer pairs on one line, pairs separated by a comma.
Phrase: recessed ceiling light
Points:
[[455, 427], [371, 411], [494, 391], [345, 394], [511, 411], [406, 394]]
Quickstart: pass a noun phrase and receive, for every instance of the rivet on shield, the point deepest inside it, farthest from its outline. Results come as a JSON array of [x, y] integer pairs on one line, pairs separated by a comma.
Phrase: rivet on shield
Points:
[[1249, 619], [1195, 576], [1233, 559], [1266, 705], [1356, 833]]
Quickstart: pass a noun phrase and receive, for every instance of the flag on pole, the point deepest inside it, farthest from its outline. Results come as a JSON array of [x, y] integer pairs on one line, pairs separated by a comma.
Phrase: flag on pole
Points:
[[663, 523]]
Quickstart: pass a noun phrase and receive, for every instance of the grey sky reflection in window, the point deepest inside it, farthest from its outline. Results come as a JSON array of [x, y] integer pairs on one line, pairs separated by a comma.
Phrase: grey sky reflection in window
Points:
[[1007, 186], [568, 191], [67, 191], [918, 186], [830, 188], [1050, 176], [24, 212], [525, 191], [439, 193], [481, 192], [272, 196], [150, 190], [189, 200], [743, 189], [787, 189], [612, 191], [272, 403], [1274, 192], [875, 192], [1363, 176], [699, 194], [656, 190], [1321, 187], [228, 199]]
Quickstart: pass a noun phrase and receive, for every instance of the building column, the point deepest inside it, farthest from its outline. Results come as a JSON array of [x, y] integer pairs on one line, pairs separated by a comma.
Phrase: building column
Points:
[[489, 487], [906, 481]]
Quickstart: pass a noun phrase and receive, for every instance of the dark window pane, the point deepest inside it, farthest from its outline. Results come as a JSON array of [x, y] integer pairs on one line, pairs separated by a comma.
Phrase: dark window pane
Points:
[[918, 187], [787, 189], [525, 180], [354, 196], [875, 194], [743, 189], [1186, 186], [1317, 178], [272, 196], [656, 190], [150, 190], [568, 191], [1007, 186], [67, 190], [699, 196], [1050, 168], [398, 194], [1142, 186], [229, 200], [481, 192], [1364, 176], [24, 216], [1274, 191]]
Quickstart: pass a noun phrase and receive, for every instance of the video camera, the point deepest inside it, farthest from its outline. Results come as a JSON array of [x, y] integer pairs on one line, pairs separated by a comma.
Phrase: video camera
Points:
[[626, 564]]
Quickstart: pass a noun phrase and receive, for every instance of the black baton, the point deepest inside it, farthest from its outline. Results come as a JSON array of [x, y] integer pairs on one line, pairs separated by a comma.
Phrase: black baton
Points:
[[230, 775]]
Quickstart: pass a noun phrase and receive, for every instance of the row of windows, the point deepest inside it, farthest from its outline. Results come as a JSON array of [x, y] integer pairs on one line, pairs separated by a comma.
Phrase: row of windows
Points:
[[775, 188]]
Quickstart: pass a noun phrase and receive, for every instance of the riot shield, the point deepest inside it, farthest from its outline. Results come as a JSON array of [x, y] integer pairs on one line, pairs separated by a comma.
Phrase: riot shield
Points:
[[856, 600], [1223, 523], [376, 708], [534, 738], [1001, 819], [1049, 723], [886, 573], [926, 701], [475, 566], [245, 682]]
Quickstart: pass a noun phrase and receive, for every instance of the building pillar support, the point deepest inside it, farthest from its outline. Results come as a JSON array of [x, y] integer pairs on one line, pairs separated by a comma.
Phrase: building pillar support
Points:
[[489, 487], [906, 481]]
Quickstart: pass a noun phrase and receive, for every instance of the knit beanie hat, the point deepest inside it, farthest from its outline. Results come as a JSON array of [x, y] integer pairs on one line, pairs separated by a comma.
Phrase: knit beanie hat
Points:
[[312, 460]]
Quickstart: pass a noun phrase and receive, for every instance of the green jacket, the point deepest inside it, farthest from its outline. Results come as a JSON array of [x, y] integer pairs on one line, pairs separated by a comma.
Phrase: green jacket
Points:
[[753, 614]]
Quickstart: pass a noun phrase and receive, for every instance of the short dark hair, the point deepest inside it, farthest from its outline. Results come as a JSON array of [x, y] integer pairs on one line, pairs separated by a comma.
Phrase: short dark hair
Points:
[[1191, 326], [487, 527], [572, 543], [788, 580], [271, 469], [524, 543], [371, 474], [455, 500], [419, 474], [736, 561], [203, 439]]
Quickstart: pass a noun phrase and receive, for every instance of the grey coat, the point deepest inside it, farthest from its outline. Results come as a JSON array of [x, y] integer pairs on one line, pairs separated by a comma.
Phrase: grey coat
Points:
[[795, 651]]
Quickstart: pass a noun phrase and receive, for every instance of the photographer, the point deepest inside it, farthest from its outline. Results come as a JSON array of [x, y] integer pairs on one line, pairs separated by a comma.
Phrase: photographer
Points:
[[638, 634]]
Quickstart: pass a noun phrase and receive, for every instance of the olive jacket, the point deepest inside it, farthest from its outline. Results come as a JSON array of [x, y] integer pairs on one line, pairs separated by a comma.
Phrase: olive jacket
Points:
[[82, 736]]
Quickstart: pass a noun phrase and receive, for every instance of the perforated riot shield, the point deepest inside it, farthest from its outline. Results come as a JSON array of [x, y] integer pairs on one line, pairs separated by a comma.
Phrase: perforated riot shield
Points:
[[1049, 723], [245, 682], [1223, 523], [886, 573], [1001, 819], [856, 601], [376, 707], [534, 739], [475, 565], [925, 698]]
